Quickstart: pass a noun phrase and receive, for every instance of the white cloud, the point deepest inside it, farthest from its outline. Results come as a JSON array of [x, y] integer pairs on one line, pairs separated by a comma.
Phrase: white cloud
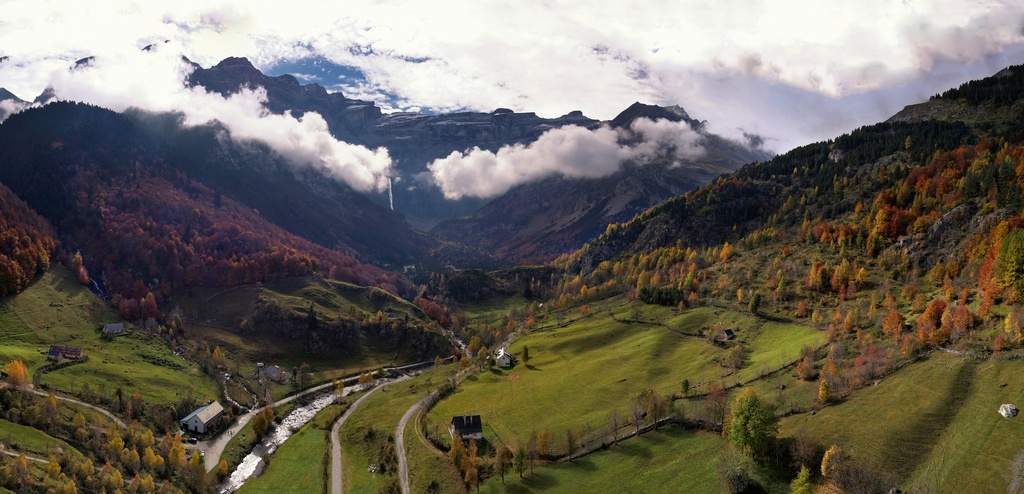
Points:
[[9, 107], [155, 81], [661, 138], [570, 151], [721, 60]]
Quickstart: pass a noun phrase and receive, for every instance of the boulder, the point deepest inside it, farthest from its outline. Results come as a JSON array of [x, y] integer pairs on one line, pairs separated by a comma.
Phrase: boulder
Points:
[[1007, 410]]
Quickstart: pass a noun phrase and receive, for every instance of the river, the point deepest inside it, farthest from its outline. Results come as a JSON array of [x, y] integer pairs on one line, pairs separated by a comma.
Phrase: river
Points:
[[252, 465]]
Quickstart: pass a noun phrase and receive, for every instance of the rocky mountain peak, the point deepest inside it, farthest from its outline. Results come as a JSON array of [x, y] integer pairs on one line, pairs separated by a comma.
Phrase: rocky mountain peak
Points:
[[7, 95], [640, 110]]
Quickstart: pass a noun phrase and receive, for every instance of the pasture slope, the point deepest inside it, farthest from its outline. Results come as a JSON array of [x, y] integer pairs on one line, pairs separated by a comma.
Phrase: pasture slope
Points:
[[934, 423], [215, 315], [601, 363], [56, 309]]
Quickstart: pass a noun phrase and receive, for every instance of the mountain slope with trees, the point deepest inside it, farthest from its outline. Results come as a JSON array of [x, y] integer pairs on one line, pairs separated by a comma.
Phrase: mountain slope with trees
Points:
[[895, 240], [145, 226], [537, 221], [27, 243]]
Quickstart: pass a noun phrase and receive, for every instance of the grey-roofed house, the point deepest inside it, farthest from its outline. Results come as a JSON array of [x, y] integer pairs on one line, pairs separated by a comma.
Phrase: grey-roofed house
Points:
[[203, 418], [276, 374], [467, 427], [504, 359], [113, 329]]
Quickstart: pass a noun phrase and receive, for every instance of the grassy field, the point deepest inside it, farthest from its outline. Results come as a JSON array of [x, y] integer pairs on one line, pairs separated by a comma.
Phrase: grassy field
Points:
[[491, 310], [213, 315], [669, 460], [382, 412], [427, 470], [296, 466], [32, 441], [578, 374], [933, 422], [56, 309]]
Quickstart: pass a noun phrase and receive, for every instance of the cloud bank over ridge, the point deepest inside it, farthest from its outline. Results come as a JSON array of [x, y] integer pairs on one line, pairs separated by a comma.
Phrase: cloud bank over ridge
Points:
[[571, 151], [154, 80], [795, 71]]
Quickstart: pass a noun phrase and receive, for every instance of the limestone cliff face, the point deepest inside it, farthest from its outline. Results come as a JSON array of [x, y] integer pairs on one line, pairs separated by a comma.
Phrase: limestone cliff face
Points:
[[532, 222], [412, 139]]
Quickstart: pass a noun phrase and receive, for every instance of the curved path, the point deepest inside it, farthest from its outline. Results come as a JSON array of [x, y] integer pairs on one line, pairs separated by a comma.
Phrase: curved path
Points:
[[403, 463], [120, 423], [214, 448], [336, 470], [13, 454]]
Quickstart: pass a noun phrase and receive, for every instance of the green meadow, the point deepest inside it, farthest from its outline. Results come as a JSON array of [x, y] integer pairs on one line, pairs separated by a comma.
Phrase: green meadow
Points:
[[32, 441], [56, 309], [934, 423], [669, 460], [597, 364], [297, 465]]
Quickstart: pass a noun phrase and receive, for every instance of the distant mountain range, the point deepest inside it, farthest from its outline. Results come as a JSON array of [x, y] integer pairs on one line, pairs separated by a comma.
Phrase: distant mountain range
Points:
[[537, 221], [413, 139], [532, 222]]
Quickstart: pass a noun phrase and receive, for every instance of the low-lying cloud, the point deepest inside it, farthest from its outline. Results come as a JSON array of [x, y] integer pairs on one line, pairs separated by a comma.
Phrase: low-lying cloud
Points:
[[9, 107], [155, 81], [571, 151]]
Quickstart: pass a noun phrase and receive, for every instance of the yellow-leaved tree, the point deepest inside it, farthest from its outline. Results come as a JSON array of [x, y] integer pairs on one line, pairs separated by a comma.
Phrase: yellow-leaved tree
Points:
[[17, 373]]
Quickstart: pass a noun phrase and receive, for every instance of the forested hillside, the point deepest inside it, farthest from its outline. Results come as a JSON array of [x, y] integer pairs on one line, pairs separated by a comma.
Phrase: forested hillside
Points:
[[145, 227], [895, 239], [27, 242], [930, 205]]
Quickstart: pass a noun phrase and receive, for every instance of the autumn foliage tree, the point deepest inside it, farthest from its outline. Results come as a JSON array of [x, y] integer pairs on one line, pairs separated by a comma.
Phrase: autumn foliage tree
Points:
[[17, 373], [261, 422], [805, 368], [1010, 263], [833, 462], [893, 324], [503, 459], [824, 392]]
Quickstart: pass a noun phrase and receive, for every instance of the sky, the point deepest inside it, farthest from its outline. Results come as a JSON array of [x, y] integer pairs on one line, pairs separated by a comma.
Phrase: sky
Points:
[[792, 71]]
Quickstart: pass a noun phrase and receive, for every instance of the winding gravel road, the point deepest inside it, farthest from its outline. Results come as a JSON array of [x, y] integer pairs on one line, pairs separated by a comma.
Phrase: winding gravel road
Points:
[[336, 470], [403, 463], [120, 423]]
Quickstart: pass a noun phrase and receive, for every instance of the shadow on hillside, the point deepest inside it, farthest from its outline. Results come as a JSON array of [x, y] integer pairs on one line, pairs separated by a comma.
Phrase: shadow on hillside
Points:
[[907, 448], [583, 343], [584, 464], [635, 447], [538, 481], [533, 367]]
